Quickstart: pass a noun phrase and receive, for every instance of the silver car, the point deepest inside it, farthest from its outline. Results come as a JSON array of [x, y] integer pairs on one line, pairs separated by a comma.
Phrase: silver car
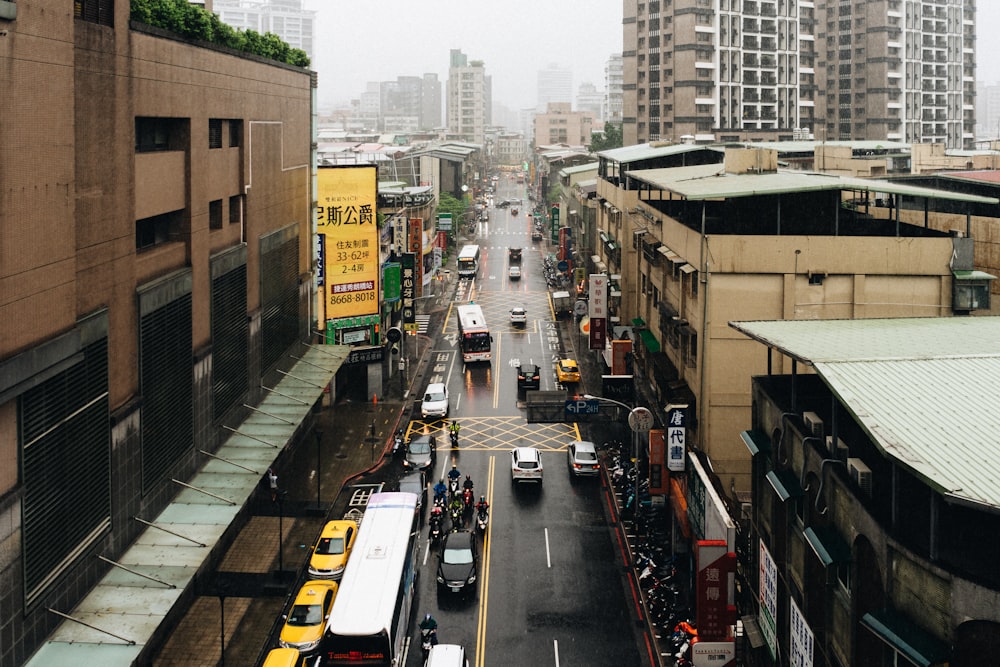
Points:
[[582, 460]]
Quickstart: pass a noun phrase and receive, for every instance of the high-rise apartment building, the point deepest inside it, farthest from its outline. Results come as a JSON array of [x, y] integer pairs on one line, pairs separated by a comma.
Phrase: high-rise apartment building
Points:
[[591, 100], [469, 98], [412, 102], [725, 70], [613, 79], [555, 84], [285, 18]]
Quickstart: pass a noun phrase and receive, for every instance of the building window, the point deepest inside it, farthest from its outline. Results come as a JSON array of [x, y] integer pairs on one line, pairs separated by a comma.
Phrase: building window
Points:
[[235, 209], [158, 134], [95, 11], [157, 230], [215, 133], [215, 214], [235, 132]]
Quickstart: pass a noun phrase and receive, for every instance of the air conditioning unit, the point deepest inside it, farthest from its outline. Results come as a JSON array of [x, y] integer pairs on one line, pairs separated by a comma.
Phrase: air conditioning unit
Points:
[[813, 424], [861, 474], [838, 450]]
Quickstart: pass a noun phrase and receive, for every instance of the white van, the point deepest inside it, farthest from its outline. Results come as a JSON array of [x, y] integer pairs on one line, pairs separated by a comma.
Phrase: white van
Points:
[[447, 655]]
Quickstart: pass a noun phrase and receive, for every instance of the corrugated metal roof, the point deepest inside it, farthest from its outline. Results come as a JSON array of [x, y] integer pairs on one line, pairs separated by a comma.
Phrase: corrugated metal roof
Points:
[[712, 182], [579, 168], [648, 151], [925, 390], [810, 146]]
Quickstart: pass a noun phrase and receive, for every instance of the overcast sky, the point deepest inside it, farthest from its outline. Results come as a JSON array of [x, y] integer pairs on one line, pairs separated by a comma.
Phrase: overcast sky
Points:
[[358, 42]]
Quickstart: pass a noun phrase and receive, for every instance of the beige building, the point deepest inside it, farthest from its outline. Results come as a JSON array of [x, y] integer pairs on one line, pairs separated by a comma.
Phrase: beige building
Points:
[[560, 125], [698, 246], [468, 99], [727, 71], [155, 232]]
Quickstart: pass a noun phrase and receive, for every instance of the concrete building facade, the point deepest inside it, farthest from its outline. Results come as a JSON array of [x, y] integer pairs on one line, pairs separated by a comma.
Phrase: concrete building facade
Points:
[[469, 98], [722, 70], [156, 234], [560, 125]]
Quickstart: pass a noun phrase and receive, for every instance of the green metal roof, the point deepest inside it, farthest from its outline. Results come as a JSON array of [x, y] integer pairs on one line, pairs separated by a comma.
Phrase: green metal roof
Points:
[[906, 637], [649, 151], [924, 389], [711, 181]]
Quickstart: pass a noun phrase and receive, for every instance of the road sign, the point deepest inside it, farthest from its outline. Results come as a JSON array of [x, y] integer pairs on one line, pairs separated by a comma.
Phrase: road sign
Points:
[[563, 265], [583, 407], [640, 419]]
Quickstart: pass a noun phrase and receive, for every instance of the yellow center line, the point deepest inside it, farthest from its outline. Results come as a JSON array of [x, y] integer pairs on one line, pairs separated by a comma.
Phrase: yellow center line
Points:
[[485, 574]]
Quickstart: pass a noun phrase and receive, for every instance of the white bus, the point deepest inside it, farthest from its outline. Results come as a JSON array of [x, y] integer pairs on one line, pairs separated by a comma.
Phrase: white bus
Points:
[[368, 623], [474, 339], [468, 262]]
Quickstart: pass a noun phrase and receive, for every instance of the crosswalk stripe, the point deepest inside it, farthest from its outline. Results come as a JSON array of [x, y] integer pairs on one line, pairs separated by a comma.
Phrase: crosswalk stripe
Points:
[[423, 323]]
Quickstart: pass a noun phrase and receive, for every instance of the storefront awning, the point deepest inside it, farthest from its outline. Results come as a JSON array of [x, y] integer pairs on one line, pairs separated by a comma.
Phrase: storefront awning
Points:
[[687, 268], [827, 544], [785, 484], [906, 637], [638, 322], [649, 339], [756, 441]]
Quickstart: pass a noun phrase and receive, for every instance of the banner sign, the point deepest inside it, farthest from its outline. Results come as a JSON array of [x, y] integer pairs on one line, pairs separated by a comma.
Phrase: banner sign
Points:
[[345, 218], [408, 292], [416, 246], [598, 333], [658, 480]]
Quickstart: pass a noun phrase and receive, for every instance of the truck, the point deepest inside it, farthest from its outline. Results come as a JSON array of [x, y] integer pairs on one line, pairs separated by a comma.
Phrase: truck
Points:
[[562, 302], [514, 255]]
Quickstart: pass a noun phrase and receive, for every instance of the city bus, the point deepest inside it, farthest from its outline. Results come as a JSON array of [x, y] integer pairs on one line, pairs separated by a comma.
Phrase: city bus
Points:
[[468, 262], [474, 339], [369, 621]]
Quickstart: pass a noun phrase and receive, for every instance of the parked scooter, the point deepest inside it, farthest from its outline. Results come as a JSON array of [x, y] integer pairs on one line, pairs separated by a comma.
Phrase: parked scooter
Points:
[[397, 442]]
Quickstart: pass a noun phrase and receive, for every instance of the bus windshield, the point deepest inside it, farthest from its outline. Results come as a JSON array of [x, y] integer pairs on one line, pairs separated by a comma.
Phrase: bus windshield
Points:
[[468, 261]]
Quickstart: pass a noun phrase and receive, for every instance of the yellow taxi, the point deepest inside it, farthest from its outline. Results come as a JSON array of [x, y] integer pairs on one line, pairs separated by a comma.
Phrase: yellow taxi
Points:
[[282, 657], [305, 623], [329, 556], [567, 371]]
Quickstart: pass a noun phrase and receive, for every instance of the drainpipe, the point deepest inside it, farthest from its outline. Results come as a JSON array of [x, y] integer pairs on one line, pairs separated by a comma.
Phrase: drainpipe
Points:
[[703, 279]]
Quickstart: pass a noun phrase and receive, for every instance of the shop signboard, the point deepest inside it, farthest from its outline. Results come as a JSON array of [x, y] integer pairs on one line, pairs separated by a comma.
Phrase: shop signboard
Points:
[[676, 437], [800, 637], [768, 600], [408, 292]]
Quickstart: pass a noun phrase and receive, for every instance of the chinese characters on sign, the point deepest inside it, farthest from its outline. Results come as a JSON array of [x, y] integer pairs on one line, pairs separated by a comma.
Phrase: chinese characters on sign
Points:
[[715, 613], [768, 599], [801, 638], [676, 437], [598, 311], [345, 221], [408, 291]]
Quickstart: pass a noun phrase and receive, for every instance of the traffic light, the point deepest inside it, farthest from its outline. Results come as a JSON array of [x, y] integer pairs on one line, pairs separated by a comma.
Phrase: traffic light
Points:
[[394, 334]]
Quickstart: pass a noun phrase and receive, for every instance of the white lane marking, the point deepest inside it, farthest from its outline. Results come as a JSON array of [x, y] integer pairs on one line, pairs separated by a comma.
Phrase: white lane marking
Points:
[[548, 555], [555, 646]]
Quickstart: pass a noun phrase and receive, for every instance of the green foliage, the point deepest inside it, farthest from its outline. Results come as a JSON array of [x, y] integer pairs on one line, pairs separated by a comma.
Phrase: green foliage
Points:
[[447, 203], [187, 20], [610, 138]]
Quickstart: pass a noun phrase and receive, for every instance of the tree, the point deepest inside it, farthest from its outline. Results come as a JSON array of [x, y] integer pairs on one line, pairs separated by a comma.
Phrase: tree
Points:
[[610, 138], [447, 203]]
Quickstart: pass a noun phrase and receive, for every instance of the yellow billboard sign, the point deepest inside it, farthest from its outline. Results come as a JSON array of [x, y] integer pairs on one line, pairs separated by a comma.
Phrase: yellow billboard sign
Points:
[[345, 218]]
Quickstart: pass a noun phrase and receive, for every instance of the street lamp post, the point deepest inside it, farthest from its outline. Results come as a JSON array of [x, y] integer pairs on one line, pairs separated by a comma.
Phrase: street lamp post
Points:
[[640, 420], [319, 465]]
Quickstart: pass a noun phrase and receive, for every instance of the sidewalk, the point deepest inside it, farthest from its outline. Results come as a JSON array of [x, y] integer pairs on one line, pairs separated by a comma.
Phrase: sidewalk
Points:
[[349, 439]]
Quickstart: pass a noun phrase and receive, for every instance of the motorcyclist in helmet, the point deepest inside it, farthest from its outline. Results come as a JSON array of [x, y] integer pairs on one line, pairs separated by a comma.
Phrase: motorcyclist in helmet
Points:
[[440, 490], [467, 484], [482, 505], [454, 472]]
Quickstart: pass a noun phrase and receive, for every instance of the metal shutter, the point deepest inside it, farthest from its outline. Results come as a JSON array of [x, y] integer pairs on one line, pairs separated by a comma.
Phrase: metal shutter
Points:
[[229, 340], [279, 277]]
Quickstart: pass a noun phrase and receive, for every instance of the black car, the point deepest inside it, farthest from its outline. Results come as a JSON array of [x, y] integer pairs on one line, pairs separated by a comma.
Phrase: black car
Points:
[[528, 377], [458, 564], [421, 453]]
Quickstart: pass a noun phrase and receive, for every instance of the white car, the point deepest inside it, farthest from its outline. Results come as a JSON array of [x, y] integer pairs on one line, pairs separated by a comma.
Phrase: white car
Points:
[[525, 465], [514, 272], [518, 315], [435, 403]]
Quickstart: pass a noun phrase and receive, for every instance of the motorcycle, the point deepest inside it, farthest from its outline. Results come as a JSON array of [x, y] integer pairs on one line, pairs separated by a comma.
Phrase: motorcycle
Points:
[[397, 442], [467, 497], [457, 518], [482, 519], [454, 439], [428, 638], [453, 487], [435, 528]]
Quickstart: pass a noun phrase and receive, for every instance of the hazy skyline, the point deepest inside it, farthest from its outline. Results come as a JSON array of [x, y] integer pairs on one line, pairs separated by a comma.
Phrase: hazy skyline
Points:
[[356, 44], [514, 39]]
